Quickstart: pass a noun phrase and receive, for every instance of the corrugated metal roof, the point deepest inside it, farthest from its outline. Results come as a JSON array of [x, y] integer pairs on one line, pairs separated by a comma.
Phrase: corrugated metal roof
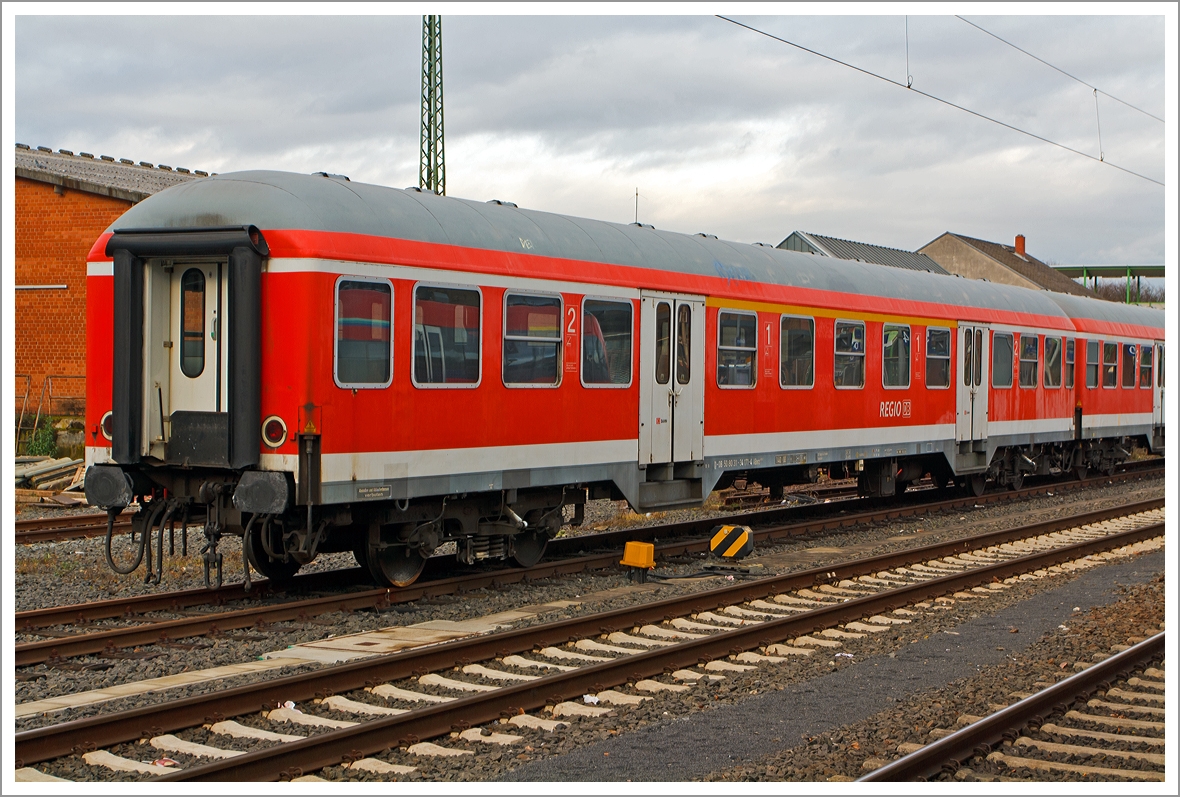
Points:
[[285, 201], [867, 253], [103, 175]]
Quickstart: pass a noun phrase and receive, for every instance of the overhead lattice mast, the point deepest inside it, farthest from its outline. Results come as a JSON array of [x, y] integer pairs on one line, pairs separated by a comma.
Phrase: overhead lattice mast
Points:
[[432, 170]]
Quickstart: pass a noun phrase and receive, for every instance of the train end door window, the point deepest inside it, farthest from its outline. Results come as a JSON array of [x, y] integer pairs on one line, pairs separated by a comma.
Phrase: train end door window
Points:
[[1145, 355], [1070, 345], [796, 352], [364, 354], [192, 323], [849, 359], [1093, 367], [737, 349], [1002, 362], [1110, 364], [938, 357], [895, 355], [1052, 362], [446, 336], [1130, 364], [532, 340], [606, 343], [1029, 359], [1159, 366]]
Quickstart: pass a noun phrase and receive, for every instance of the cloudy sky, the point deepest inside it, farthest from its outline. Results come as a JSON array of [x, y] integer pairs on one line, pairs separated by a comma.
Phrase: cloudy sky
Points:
[[721, 130]]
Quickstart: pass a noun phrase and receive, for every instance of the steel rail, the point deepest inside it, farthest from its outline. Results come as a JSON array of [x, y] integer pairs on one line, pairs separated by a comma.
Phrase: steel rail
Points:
[[29, 653], [980, 737], [349, 744], [52, 741]]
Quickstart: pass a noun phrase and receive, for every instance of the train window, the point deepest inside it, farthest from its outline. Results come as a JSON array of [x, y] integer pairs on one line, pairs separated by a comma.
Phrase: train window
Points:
[[978, 357], [532, 339], [938, 357], [663, 343], [1145, 353], [1092, 365], [1069, 361], [1052, 362], [849, 363], [737, 345], [1159, 366], [683, 344], [192, 323], [796, 352], [606, 343], [1029, 356], [1130, 355], [364, 355], [1110, 364], [446, 336], [1002, 359], [895, 354], [968, 356]]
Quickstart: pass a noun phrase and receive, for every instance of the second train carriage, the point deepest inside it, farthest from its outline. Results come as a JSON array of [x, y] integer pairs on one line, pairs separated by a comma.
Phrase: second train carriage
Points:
[[321, 365]]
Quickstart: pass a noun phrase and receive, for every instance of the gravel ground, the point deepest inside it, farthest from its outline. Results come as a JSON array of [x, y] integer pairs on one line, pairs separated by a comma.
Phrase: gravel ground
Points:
[[849, 750], [74, 571], [837, 703]]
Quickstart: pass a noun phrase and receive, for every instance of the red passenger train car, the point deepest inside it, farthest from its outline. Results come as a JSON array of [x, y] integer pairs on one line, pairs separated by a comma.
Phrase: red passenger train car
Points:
[[319, 365]]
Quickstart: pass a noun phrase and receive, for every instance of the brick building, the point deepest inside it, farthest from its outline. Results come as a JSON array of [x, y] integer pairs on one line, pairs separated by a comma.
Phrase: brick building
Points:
[[64, 202], [1010, 265]]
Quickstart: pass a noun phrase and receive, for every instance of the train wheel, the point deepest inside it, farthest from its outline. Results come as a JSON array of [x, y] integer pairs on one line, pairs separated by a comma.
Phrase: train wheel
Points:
[[529, 547], [277, 572], [976, 484], [1080, 472], [1017, 481], [395, 566]]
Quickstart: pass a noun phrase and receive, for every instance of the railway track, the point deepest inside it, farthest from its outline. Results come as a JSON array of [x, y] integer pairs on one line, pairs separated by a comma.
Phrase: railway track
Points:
[[69, 527], [570, 555], [711, 633], [1081, 727]]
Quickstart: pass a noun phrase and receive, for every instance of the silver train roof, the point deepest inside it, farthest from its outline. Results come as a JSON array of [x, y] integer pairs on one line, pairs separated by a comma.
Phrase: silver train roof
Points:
[[287, 201]]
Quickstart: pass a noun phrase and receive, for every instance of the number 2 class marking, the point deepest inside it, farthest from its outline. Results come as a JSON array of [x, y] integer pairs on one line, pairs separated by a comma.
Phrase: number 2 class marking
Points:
[[570, 327]]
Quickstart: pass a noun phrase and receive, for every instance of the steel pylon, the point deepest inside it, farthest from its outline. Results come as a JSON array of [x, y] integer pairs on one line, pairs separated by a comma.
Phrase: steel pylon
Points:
[[432, 171]]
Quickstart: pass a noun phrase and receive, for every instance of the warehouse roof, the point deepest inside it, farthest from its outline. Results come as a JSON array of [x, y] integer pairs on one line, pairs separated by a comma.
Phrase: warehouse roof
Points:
[[119, 178], [812, 243]]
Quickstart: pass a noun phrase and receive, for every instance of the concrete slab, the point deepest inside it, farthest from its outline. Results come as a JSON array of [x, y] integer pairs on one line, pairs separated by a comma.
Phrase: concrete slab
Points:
[[30, 775], [590, 644], [239, 731], [570, 709], [496, 675], [338, 703], [309, 720], [529, 721], [102, 758], [668, 633], [172, 744], [397, 693], [433, 679], [656, 686], [569, 655], [620, 698], [620, 638], [521, 661], [786, 650], [431, 749], [380, 767], [477, 735]]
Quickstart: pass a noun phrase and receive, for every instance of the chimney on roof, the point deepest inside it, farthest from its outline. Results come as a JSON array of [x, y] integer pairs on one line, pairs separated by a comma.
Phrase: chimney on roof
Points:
[[1020, 246]]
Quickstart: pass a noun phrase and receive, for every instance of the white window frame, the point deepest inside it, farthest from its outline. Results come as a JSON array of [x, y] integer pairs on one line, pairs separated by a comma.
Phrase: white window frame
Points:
[[1069, 378], [559, 340], [582, 342], [782, 348], [1012, 370], [1098, 363], [1021, 361], [754, 349], [864, 354], [950, 371], [482, 339], [909, 355], [336, 329], [1123, 365], [1102, 367], [1045, 367]]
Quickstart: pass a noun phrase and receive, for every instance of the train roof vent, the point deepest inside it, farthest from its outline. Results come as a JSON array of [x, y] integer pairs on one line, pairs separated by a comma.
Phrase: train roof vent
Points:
[[759, 243], [501, 202], [641, 224], [706, 235], [332, 176]]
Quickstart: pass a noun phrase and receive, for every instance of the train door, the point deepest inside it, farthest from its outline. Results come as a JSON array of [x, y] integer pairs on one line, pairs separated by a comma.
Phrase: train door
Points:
[[672, 379], [185, 353], [1157, 388], [973, 381]]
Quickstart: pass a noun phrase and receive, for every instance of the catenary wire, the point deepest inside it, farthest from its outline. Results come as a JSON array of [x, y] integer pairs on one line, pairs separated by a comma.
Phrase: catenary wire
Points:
[[1059, 69], [941, 100]]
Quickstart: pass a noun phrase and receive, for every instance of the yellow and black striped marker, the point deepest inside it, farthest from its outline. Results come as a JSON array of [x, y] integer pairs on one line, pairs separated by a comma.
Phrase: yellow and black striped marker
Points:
[[732, 542]]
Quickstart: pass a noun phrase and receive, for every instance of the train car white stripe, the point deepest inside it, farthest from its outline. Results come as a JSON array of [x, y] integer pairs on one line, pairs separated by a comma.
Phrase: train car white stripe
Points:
[[1042, 426], [1117, 419], [382, 465], [103, 268], [435, 275], [745, 444]]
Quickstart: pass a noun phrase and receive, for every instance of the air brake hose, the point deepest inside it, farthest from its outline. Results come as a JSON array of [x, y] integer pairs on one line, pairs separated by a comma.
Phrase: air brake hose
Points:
[[111, 513]]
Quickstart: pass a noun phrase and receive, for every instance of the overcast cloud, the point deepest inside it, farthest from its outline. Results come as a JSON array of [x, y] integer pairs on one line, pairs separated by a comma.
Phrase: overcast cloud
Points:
[[722, 130]]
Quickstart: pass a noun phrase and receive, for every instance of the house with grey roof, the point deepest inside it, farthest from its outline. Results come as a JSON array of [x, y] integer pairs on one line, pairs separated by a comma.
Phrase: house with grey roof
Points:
[[1011, 265], [825, 245]]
